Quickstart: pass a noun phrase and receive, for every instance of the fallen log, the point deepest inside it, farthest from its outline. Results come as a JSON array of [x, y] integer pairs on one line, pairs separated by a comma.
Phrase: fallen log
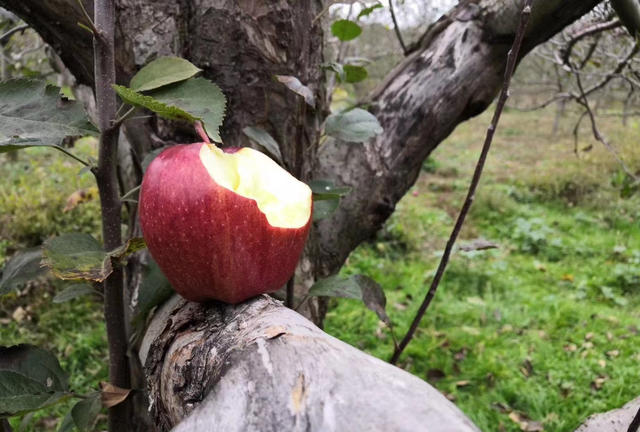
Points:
[[259, 366]]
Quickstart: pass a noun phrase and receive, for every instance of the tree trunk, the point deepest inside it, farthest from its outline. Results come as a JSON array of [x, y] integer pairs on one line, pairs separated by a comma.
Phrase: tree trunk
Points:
[[259, 366]]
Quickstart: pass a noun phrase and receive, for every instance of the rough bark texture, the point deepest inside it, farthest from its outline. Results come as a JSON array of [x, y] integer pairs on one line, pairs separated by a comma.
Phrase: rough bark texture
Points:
[[617, 420], [453, 74], [261, 367]]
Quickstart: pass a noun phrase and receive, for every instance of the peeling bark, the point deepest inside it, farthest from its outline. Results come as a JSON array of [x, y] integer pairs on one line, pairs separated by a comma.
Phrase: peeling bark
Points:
[[617, 420], [259, 366]]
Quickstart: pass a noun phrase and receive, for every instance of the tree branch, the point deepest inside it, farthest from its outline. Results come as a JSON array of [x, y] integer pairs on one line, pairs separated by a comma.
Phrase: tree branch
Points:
[[107, 180], [396, 28], [504, 95]]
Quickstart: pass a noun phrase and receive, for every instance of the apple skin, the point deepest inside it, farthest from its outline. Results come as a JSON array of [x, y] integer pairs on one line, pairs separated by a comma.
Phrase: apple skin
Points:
[[211, 243]]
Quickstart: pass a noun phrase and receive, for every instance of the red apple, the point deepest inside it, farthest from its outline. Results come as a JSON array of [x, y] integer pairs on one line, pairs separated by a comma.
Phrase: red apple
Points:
[[223, 225]]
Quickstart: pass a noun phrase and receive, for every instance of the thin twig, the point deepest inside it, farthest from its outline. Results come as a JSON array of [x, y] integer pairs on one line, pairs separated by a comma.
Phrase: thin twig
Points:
[[71, 155], [589, 31], [126, 116], [511, 65], [5, 37], [396, 28], [111, 206], [596, 132], [130, 193], [304, 299], [92, 26]]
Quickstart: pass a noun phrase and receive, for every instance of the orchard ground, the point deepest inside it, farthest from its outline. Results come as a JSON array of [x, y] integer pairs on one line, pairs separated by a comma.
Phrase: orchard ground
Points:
[[545, 327]]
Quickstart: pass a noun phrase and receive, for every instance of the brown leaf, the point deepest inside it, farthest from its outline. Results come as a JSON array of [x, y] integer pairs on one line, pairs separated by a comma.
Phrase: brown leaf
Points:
[[533, 426], [449, 396], [613, 353], [463, 383], [609, 336], [79, 197], [571, 348], [112, 395], [435, 375], [461, 355], [588, 336], [478, 245]]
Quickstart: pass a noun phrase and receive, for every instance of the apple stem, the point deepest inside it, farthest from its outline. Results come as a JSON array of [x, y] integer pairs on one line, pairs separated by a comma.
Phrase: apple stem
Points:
[[201, 132]]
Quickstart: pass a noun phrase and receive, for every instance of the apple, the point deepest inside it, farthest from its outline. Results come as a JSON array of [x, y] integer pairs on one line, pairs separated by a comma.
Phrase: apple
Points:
[[223, 225]]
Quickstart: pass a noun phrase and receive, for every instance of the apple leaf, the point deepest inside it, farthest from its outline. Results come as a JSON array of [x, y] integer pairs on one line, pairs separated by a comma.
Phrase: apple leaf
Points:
[[77, 256], [85, 413], [368, 10], [163, 71], [325, 208], [327, 190], [296, 86], [356, 125], [355, 74], [73, 292], [337, 68], [34, 114], [30, 379], [132, 246], [265, 140], [154, 290], [345, 30], [134, 98], [24, 266], [150, 157], [358, 287], [200, 98]]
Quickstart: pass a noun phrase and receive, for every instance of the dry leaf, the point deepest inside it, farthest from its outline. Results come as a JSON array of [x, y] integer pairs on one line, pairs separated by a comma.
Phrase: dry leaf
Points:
[[435, 375], [112, 395], [79, 197], [609, 336], [567, 277], [602, 363], [588, 336], [450, 397], [570, 347], [463, 383], [613, 353], [19, 314]]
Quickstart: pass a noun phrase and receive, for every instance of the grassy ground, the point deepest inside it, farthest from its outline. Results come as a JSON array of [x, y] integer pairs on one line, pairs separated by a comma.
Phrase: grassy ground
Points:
[[542, 328]]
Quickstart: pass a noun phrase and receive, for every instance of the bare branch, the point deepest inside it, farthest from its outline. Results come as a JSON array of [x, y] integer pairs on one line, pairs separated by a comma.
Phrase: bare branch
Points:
[[396, 28], [504, 95]]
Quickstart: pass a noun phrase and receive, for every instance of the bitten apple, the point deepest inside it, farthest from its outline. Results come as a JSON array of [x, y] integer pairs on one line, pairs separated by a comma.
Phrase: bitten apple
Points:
[[223, 225]]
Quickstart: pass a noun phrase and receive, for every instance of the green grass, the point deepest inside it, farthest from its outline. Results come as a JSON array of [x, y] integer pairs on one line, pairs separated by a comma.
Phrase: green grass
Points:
[[544, 326]]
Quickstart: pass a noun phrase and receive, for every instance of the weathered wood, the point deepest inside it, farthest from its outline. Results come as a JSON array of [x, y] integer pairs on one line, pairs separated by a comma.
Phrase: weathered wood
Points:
[[259, 366], [617, 420]]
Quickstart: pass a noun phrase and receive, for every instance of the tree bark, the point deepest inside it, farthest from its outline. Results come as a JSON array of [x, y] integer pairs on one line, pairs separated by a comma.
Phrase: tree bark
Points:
[[617, 420], [259, 366]]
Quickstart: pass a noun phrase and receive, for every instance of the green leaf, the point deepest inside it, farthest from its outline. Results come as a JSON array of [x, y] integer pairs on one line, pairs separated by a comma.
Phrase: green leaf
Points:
[[33, 114], [30, 379], [296, 86], [358, 287], [368, 10], [67, 424], [23, 267], [326, 190], [155, 290], [77, 256], [72, 292], [345, 30], [150, 157], [132, 246], [265, 140], [337, 68], [325, 208], [199, 97], [85, 412], [161, 72], [356, 125], [134, 98], [355, 74]]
